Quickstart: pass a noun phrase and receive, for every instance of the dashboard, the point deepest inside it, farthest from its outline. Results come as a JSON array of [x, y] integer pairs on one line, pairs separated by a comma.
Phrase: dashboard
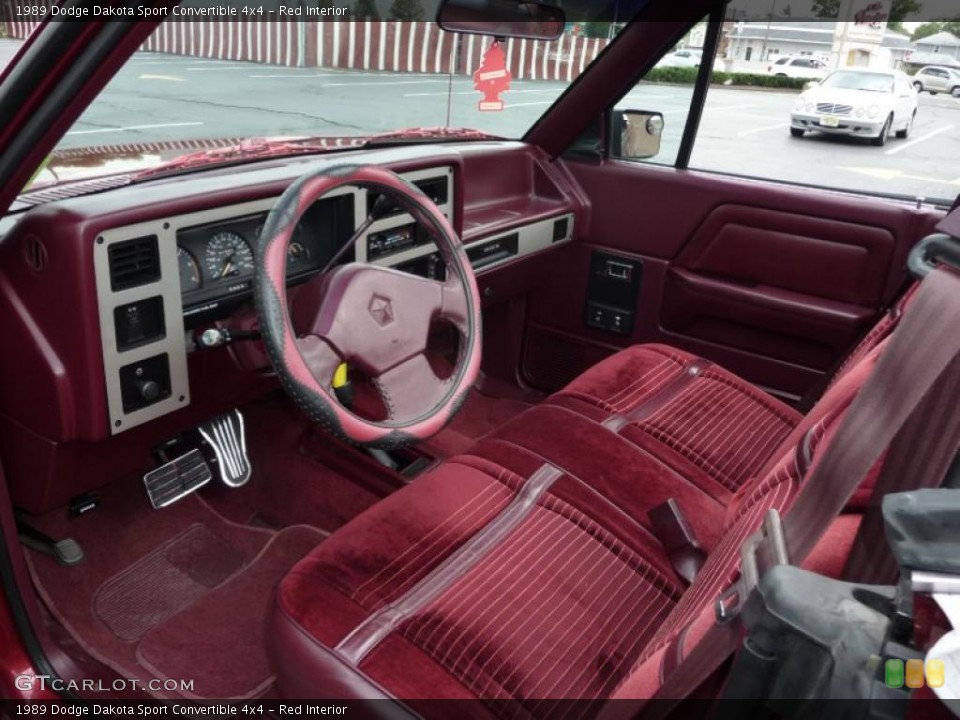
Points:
[[157, 281], [102, 293]]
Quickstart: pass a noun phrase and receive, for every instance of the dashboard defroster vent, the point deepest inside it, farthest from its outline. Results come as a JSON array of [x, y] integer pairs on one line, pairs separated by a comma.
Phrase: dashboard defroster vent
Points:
[[134, 262]]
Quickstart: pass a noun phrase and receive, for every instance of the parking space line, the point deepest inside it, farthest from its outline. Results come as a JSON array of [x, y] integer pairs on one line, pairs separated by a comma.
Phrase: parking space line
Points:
[[100, 131], [524, 104], [311, 76], [923, 138], [765, 128], [374, 84], [475, 92], [168, 78]]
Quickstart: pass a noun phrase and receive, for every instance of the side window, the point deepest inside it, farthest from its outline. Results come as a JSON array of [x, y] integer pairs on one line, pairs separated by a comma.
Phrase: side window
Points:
[[648, 122], [827, 134]]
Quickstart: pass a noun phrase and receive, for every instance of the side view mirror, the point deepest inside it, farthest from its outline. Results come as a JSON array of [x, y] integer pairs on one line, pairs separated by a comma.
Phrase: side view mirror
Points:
[[502, 18], [635, 134]]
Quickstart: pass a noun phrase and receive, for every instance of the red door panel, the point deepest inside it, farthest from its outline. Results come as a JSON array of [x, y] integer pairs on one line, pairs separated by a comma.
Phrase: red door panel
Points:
[[808, 254], [775, 282], [787, 286]]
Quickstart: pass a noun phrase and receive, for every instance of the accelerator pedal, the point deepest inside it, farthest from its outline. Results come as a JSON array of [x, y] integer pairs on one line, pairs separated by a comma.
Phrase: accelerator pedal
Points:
[[227, 436], [177, 478]]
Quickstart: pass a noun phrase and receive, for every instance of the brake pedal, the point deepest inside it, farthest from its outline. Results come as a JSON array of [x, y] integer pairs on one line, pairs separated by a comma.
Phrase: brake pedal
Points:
[[227, 436], [177, 478]]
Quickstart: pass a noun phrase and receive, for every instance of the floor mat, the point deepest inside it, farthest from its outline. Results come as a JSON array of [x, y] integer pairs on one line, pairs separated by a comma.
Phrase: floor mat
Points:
[[165, 582], [228, 625], [146, 569]]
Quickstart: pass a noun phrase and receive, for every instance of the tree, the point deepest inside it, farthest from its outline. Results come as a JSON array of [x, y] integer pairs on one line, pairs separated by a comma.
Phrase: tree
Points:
[[901, 10], [596, 29], [367, 9], [926, 30], [406, 10], [825, 8]]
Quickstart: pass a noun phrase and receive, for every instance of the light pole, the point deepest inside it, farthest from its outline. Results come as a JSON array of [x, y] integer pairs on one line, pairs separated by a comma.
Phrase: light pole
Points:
[[766, 35]]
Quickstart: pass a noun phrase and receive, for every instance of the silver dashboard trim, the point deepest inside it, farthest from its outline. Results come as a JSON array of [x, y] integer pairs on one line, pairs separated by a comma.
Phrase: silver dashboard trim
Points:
[[172, 344]]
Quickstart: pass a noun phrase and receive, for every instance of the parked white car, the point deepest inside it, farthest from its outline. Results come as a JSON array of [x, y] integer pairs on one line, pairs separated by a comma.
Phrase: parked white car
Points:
[[937, 79], [681, 58], [798, 66], [864, 103]]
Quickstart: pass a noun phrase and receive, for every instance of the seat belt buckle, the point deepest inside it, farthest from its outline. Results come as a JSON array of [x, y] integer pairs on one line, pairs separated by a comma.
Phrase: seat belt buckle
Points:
[[768, 545]]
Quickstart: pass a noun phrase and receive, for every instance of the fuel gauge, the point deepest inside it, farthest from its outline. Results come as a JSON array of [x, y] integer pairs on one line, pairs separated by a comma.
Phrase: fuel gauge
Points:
[[297, 255], [189, 270]]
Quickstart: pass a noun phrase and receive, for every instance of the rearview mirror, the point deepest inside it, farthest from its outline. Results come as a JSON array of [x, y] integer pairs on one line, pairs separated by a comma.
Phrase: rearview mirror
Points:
[[635, 134], [502, 18]]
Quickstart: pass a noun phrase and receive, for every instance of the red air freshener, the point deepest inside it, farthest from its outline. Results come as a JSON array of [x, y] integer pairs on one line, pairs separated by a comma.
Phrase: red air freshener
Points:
[[492, 78]]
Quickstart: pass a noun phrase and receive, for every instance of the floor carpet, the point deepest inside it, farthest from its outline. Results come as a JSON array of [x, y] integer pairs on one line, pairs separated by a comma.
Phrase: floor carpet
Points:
[[181, 593], [176, 593]]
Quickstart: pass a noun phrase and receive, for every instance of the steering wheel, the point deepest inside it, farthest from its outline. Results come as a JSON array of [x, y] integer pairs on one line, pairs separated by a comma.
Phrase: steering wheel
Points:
[[375, 319]]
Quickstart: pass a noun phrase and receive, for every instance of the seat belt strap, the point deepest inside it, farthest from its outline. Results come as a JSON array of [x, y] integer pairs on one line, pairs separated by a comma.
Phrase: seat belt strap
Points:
[[904, 383], [924, 347], [920, 457]]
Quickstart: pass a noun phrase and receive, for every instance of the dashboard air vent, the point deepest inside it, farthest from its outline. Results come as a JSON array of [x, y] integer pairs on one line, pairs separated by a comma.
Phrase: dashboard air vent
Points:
[[35, 253], [134, 262]]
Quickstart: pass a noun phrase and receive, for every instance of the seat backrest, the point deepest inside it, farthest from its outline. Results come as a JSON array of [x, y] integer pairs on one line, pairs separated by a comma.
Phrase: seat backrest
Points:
[[878, 333], [809, 486], [776, 487]]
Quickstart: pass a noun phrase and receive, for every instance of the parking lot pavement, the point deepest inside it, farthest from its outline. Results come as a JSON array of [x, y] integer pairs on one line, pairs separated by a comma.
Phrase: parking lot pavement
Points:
[[746, 132], [8, 49], [164, 97]]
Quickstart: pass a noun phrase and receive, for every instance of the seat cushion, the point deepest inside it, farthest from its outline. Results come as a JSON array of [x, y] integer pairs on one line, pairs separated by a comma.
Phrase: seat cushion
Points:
[[416, 598], [708, 424]]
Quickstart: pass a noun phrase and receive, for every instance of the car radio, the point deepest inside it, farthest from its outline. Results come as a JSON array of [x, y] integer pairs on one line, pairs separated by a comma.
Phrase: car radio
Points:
[[388, 242]]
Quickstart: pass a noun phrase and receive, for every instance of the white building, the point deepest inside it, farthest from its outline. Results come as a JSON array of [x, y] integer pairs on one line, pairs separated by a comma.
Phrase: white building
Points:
[[753, 45], [943, 43]]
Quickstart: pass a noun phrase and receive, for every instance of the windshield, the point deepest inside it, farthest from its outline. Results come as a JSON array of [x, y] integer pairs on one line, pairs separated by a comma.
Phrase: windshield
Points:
[[385, 69], [853, 80]]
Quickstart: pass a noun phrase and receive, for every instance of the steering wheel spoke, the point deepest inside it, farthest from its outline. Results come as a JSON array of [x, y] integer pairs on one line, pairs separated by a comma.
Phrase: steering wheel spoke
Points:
[[410, 389], [321, 359], [454, 307]]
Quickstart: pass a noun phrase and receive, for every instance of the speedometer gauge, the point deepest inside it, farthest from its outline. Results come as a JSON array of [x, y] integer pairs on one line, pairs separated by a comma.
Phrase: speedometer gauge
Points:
[[189, 270], [228, 255]]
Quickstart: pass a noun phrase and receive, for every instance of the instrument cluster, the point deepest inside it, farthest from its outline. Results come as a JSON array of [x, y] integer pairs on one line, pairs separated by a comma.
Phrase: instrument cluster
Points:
[[216, 261]]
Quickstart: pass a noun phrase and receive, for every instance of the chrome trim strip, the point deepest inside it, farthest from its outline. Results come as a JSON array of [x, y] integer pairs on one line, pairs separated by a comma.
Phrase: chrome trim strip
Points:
[[371, 632]]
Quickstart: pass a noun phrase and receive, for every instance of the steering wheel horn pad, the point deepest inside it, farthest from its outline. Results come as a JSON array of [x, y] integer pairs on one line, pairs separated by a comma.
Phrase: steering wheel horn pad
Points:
[[376, 319]]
